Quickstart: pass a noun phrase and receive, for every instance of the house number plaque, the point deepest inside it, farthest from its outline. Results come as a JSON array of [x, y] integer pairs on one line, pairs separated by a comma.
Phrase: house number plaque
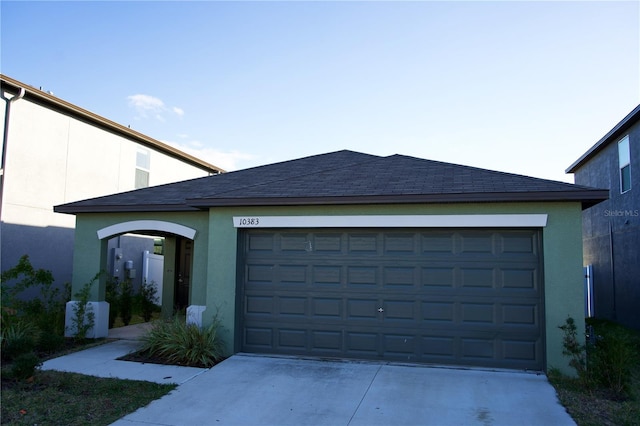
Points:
[[247, 222]]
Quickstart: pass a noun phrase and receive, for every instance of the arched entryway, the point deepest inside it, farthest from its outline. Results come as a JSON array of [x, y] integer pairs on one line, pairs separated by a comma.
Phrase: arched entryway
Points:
[[93, 253], [174, 288]]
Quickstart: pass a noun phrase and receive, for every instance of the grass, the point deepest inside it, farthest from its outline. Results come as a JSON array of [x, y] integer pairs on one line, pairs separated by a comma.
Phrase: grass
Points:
[[598, 405], [58, 398]]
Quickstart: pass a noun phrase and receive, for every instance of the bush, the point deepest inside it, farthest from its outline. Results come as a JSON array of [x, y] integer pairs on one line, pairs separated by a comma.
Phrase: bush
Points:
[[177, 342], [49, 342], [83, 318], [126, 301], [613, 356], [24, 366], [607, 359], [47, 310], [148, 300], [576, 351], [18, 338], [112, 296]]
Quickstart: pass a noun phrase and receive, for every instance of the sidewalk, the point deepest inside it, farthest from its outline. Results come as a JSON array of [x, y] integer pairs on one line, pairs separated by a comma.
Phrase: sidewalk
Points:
[[101, 361]]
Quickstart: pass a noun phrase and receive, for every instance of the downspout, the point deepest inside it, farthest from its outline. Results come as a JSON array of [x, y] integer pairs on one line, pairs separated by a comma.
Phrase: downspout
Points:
[[5, 140]]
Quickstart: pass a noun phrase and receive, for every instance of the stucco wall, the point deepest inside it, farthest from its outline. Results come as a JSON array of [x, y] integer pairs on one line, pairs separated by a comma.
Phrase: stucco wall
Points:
[[216, 255]]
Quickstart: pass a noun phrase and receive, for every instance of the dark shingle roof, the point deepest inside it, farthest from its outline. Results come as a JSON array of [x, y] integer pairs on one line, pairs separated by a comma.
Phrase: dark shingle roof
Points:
[[342, 177]]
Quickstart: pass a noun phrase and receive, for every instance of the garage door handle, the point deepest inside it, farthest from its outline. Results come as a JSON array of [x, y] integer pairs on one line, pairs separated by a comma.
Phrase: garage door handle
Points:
[[381, 309]]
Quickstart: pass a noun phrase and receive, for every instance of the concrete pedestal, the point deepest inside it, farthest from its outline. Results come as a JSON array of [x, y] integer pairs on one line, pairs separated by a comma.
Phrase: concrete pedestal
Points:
[[194, 314]]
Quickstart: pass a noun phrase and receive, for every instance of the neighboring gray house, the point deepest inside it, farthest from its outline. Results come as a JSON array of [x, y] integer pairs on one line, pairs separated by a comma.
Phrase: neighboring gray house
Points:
[[359, 256], [55, 152], [611, 229]]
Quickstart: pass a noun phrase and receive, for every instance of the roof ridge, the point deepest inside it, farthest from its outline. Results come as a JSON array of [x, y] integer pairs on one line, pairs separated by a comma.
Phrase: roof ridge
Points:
[[271, 182]]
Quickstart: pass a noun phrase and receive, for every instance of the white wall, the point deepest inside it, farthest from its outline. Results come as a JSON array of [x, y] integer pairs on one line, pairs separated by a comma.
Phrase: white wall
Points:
[[55, 159]]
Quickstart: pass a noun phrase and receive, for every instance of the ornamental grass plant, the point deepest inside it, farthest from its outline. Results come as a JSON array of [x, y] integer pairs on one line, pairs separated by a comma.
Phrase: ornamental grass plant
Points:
[[176, 342]]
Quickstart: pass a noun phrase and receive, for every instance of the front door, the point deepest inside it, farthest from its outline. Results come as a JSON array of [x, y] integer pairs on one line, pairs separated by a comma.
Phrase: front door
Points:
[[183, 273]]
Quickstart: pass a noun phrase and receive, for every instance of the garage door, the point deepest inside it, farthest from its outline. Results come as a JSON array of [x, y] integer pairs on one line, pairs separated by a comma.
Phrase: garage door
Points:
[[465, 297]]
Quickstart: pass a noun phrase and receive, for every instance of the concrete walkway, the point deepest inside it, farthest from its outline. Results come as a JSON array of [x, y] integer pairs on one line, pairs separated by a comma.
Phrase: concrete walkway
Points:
[[101, 361], [261, 390], [130, 332]]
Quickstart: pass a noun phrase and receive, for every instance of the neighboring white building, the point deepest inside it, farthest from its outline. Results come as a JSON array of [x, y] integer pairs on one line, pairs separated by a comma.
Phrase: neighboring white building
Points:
[[53, 153]]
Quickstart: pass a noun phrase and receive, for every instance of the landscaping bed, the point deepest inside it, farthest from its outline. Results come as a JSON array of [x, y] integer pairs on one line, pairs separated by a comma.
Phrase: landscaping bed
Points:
[[32, 332], [608, 392]]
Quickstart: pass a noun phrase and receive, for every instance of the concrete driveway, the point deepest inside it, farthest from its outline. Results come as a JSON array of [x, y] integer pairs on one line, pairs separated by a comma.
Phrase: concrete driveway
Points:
[[260, 390]]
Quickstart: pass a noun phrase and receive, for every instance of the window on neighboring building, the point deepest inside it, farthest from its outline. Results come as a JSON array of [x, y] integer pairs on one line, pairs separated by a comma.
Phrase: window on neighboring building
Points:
[[142, 167], [624, 160]]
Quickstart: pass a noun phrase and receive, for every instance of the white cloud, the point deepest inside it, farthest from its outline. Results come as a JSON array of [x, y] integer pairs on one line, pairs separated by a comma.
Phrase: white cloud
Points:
[[147, 106], [229, 160]]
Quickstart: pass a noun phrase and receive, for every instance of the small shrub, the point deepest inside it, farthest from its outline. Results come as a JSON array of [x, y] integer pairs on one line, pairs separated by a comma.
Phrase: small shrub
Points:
[[126, 301], [112, 296], [49, 342], [83, 319], [46, 310], [180, 343], [613, 357], [24, 366], [576, 351], [17, 338], [607, 360], [148, 300]]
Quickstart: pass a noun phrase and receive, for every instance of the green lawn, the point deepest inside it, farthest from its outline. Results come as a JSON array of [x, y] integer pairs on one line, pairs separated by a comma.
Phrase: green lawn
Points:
[[57, 398]]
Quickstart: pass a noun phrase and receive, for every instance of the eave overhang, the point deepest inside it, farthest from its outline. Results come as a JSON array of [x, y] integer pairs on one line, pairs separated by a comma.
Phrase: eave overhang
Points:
[[587, 197], [71, 209]]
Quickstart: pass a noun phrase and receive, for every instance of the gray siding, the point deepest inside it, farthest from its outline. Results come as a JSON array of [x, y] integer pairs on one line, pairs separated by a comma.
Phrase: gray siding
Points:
[[611, 233]]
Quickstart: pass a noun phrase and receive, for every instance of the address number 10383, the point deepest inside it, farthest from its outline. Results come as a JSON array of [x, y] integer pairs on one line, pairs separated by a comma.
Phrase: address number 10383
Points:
[[247, 221]]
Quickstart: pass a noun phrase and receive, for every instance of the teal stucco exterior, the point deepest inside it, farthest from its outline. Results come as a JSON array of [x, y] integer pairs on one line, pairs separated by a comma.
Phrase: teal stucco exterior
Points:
[[214, 280]]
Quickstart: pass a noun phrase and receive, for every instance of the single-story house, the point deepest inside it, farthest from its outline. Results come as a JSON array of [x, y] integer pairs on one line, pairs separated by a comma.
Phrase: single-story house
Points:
[[611, 229], [353, 255]]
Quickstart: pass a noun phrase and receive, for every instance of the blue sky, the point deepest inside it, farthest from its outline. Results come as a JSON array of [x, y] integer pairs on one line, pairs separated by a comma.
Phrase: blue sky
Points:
[[521, 87]]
